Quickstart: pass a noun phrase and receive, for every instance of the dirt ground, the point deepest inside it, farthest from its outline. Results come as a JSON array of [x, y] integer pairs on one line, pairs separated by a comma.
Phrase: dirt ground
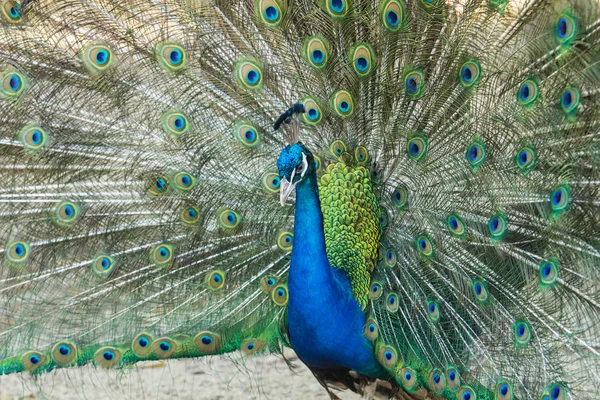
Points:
[[198, 379]]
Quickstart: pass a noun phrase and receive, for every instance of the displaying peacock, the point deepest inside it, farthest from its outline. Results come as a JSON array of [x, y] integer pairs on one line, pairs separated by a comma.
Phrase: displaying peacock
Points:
[[438, 166]]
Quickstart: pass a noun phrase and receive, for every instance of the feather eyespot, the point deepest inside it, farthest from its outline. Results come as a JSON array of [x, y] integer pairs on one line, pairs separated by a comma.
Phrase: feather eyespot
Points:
[[279, 294], [414, 82], [249, 73], [569, 100], [387, 356], [252, 346], [174, 123], [497, 226], [33, 137], [32, 360], [522, 332], [467, 393], [215, 279], [228, 219], [363, 59], [371, 330], [480, 291], [408, 378], [103, 266], [316, 51], [184, 181], [164, 347], [393, 15], [66, 213], [190, 215], [391, 303], [525, 159], [271, 182], [270, 12], [417, 146], [424, 245], [566, 28], [208, 342], [375, 291], [141, 345], [433, 311], [64, 353], [337, 148], [528, 92], [97, 57], [391, 258], [337, 8], [313, 114], [456, 225], [171, 56], [246, 133], [400, 196], [342, 103], [476, 154], [436, 381], [452, 378], [18, 252], [503, 390], [107, 357], [161, 255], [285, 241], [267, 283], [548, 272], [361, 154], [559, 199], [13, 83], [557, 392], [12, 11], [470, 73]]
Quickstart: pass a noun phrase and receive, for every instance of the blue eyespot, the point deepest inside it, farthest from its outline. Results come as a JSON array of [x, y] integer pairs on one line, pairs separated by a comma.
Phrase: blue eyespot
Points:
[[252, 77], [14, 83], [19, 249], [474, 152], [217, 278], [164, 346], [432, 308], [64, 350], [561, 28], [161, 184], [250, 135], [102, 57], [557, 197], [372, 328], [392, 300], [36, 137], [392, 18], [495, 223], [15, 11], [317, 56], [452, 376], [108, 355], [344, 106], [69, 211], [280, 292], [179, 123], [231, 217], [504, 389], [271, 13], [192, 213], [478, 289], [555, 392], [467, 74], [523, 157], [313, 114], [105, 263], [466, 396], [207, 340], [362, 64], [407, 376], [276, 182], [175, 56], [412, 85], [271, 282], [337, 5], [388, 355], [525, 92], [143, 342], [454, 223], [250, 346], [423, 244], [437, 378], [521, 330], [34, 359], [414, 148], [568, 98], [163, 252]]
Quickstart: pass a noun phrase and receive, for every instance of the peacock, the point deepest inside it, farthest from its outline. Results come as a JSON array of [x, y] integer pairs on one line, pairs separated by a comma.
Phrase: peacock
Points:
[[405, 192]]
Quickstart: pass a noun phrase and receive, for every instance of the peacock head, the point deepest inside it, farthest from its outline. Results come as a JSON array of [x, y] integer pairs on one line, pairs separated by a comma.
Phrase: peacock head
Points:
[[294, 164]]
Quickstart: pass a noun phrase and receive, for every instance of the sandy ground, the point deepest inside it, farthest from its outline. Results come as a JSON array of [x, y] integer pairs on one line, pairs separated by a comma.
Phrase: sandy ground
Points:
[[212, 378]]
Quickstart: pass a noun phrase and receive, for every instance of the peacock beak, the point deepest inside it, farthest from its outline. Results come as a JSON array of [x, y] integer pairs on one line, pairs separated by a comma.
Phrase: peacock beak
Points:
[[285, 188]]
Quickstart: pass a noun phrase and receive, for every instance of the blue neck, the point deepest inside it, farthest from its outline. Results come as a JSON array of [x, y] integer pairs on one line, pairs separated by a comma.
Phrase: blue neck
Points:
[[325, 321]]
